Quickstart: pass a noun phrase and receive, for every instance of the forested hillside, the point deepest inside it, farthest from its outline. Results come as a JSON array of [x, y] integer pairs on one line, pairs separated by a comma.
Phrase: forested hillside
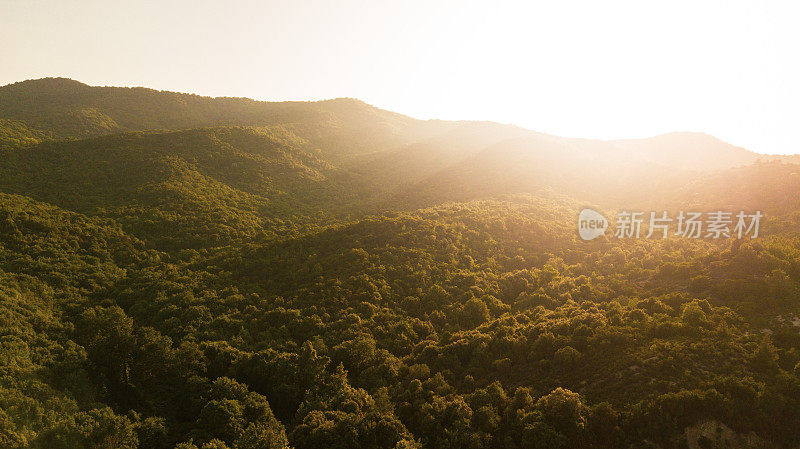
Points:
[[187, 272]]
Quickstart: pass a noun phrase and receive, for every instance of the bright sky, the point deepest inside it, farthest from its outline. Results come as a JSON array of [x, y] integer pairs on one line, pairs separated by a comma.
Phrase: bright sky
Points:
[[598, 69]]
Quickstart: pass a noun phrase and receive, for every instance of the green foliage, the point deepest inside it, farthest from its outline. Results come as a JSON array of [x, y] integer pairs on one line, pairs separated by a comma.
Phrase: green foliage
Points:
[[14, 134], [263, 280], [96, 429]]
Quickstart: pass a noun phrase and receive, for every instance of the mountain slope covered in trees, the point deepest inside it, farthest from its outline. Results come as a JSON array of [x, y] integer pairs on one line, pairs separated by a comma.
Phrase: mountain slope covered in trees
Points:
[[185, 272]]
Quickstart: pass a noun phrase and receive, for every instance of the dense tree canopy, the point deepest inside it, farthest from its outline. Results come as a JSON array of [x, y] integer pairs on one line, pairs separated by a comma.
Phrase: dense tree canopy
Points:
[[255, 285]]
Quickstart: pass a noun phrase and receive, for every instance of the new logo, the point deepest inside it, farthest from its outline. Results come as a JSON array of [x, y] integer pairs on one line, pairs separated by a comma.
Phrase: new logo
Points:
[[591, 224]]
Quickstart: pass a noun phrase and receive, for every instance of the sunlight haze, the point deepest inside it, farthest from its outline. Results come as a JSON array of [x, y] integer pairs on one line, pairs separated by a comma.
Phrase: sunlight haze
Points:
[[607, 70]]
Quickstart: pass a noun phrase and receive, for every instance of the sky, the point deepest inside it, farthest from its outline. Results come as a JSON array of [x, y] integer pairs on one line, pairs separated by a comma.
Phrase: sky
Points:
[[578, 68]]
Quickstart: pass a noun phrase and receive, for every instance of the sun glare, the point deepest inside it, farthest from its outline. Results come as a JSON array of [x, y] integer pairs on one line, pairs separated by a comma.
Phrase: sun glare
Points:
[[576, 68]]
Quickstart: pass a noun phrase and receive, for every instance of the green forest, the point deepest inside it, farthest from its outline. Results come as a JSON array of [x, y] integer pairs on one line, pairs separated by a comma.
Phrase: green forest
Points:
[[187, 272]]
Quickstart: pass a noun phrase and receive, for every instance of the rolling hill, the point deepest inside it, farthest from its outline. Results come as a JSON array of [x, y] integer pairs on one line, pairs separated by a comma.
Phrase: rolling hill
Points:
[[186, 272]]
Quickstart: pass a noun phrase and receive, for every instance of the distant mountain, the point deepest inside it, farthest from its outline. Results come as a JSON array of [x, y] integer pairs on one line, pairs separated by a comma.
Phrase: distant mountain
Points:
[[416, 161], [606, 172], [693, 151], [65, 108], [137, 149]]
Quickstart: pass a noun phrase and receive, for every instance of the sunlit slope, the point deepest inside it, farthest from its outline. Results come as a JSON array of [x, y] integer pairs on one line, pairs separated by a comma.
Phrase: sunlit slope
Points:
[[16, 134], [642, 173], [407, 164]]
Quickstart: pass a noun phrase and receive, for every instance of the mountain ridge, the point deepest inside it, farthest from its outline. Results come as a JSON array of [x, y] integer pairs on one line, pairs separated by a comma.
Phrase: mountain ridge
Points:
[[55, 86], [374, 160]]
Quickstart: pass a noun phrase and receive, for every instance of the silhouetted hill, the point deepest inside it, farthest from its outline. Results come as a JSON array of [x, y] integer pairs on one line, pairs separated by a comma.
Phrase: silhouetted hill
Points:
[[693, 151], [68, 109]]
